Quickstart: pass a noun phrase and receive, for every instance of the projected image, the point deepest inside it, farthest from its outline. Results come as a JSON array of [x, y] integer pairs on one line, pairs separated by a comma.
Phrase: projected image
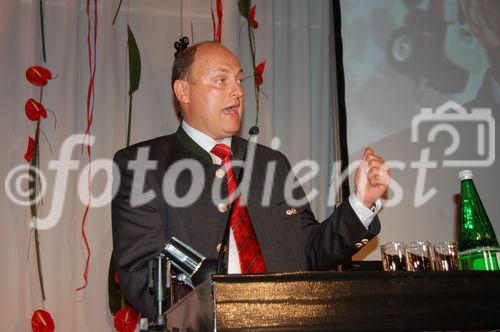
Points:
[[422, 88], [483, 18], [430, 40], [419, 47], [402, 55]]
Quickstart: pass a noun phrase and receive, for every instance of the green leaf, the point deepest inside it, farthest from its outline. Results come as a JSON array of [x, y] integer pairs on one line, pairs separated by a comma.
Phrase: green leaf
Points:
[[114, 291], [134, 62], [244, 7]]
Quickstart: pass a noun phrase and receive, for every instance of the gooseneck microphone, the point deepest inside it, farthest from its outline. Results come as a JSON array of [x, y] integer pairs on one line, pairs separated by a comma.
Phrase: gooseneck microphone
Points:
[[224, 244], [253, 131], [192, 268], [186, 260]]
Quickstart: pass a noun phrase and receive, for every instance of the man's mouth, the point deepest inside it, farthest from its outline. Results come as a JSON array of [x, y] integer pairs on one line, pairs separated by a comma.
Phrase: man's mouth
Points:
[[231, 110]]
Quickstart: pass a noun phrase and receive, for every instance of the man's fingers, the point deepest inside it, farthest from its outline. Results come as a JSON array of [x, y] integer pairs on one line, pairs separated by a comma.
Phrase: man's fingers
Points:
[[373, 171], [375, 163], [371, 160], [379, 175], [372, 178], [367, 153], [376, 178]]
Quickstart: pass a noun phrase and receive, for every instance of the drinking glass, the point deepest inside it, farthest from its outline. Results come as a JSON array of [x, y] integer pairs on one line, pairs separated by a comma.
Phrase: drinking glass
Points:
[[446, 256], [393, 256], [419, 256]]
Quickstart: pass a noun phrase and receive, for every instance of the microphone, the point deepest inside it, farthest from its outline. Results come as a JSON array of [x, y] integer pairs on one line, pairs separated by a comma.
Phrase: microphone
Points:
[[189, 262], [252, 133], [192, 266]]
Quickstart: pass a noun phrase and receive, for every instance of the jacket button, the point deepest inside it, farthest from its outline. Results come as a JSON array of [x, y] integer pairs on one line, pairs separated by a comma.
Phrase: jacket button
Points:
[[219, 247], [291, 211], [358, 245], [222, 207], [364, 241], [220, 173]]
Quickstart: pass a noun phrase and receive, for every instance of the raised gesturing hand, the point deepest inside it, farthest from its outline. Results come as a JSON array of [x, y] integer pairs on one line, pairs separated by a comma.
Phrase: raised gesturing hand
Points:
[[372, 178]]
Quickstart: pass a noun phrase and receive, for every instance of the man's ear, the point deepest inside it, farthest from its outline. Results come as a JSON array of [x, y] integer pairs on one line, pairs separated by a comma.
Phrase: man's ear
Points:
[[181, 90]]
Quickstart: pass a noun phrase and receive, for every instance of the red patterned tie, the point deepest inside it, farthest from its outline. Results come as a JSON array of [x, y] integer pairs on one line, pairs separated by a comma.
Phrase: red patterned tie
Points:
[[251, 259]]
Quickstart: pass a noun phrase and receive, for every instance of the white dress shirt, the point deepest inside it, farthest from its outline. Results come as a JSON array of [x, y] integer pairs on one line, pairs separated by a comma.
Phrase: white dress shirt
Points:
[[364, 214]]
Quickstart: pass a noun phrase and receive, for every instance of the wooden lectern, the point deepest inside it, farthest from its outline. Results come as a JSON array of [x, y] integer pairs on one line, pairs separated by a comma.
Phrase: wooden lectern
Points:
[[343, 301]]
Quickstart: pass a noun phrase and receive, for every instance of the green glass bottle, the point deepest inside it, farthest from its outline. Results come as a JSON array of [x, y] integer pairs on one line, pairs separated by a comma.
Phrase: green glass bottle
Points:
[[477, 243]]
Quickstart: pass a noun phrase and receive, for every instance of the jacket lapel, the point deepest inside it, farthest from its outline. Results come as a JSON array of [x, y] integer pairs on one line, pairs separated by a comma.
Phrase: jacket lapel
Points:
[[191, 145]]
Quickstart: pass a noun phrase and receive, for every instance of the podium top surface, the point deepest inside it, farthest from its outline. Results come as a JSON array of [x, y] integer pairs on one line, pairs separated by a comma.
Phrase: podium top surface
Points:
[[345, 301]]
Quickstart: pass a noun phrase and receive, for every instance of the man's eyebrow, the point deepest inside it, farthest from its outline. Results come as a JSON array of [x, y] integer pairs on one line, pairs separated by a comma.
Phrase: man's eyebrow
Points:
[[225, 70]]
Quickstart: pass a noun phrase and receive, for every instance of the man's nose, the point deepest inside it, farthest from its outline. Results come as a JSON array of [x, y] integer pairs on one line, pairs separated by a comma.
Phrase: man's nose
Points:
[[237, 90]]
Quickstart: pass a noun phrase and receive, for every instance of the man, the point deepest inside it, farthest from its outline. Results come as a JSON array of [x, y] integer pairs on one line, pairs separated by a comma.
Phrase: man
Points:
[[283, 235]]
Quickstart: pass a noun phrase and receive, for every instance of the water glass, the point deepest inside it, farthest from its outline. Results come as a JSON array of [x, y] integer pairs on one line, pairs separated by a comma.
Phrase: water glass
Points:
[[419, 256], [393, 256], [446, 256]]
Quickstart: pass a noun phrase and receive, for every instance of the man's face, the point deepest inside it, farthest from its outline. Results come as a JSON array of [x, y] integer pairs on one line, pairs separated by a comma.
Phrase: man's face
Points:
[[214, 103]]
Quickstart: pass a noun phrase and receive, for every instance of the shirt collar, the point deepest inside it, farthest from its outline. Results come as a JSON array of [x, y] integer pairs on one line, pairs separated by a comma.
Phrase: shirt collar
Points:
[[202, 139]]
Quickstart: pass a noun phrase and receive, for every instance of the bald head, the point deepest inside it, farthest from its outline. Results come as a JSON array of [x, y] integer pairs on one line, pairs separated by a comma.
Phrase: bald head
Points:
[[209, 89], [184, 60]]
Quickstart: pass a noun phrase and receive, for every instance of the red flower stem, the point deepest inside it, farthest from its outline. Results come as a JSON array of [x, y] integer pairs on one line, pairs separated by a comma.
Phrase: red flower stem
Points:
[[213, 26], [90, 115], [33, 190]]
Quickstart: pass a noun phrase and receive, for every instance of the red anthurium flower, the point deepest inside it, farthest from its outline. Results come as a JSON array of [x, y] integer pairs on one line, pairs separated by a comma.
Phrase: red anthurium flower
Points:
[[38, 75], [42, 322], [259, 70], [251, 18], [31, 148], [126, 320], [34, 110]]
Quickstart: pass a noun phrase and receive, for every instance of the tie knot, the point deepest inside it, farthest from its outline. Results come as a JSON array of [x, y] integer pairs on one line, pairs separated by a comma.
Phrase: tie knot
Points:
[[222, 151]]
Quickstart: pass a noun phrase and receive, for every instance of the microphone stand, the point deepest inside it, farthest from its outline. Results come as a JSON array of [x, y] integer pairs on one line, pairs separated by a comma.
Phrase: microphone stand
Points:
[[159, 283], [254, 131]]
